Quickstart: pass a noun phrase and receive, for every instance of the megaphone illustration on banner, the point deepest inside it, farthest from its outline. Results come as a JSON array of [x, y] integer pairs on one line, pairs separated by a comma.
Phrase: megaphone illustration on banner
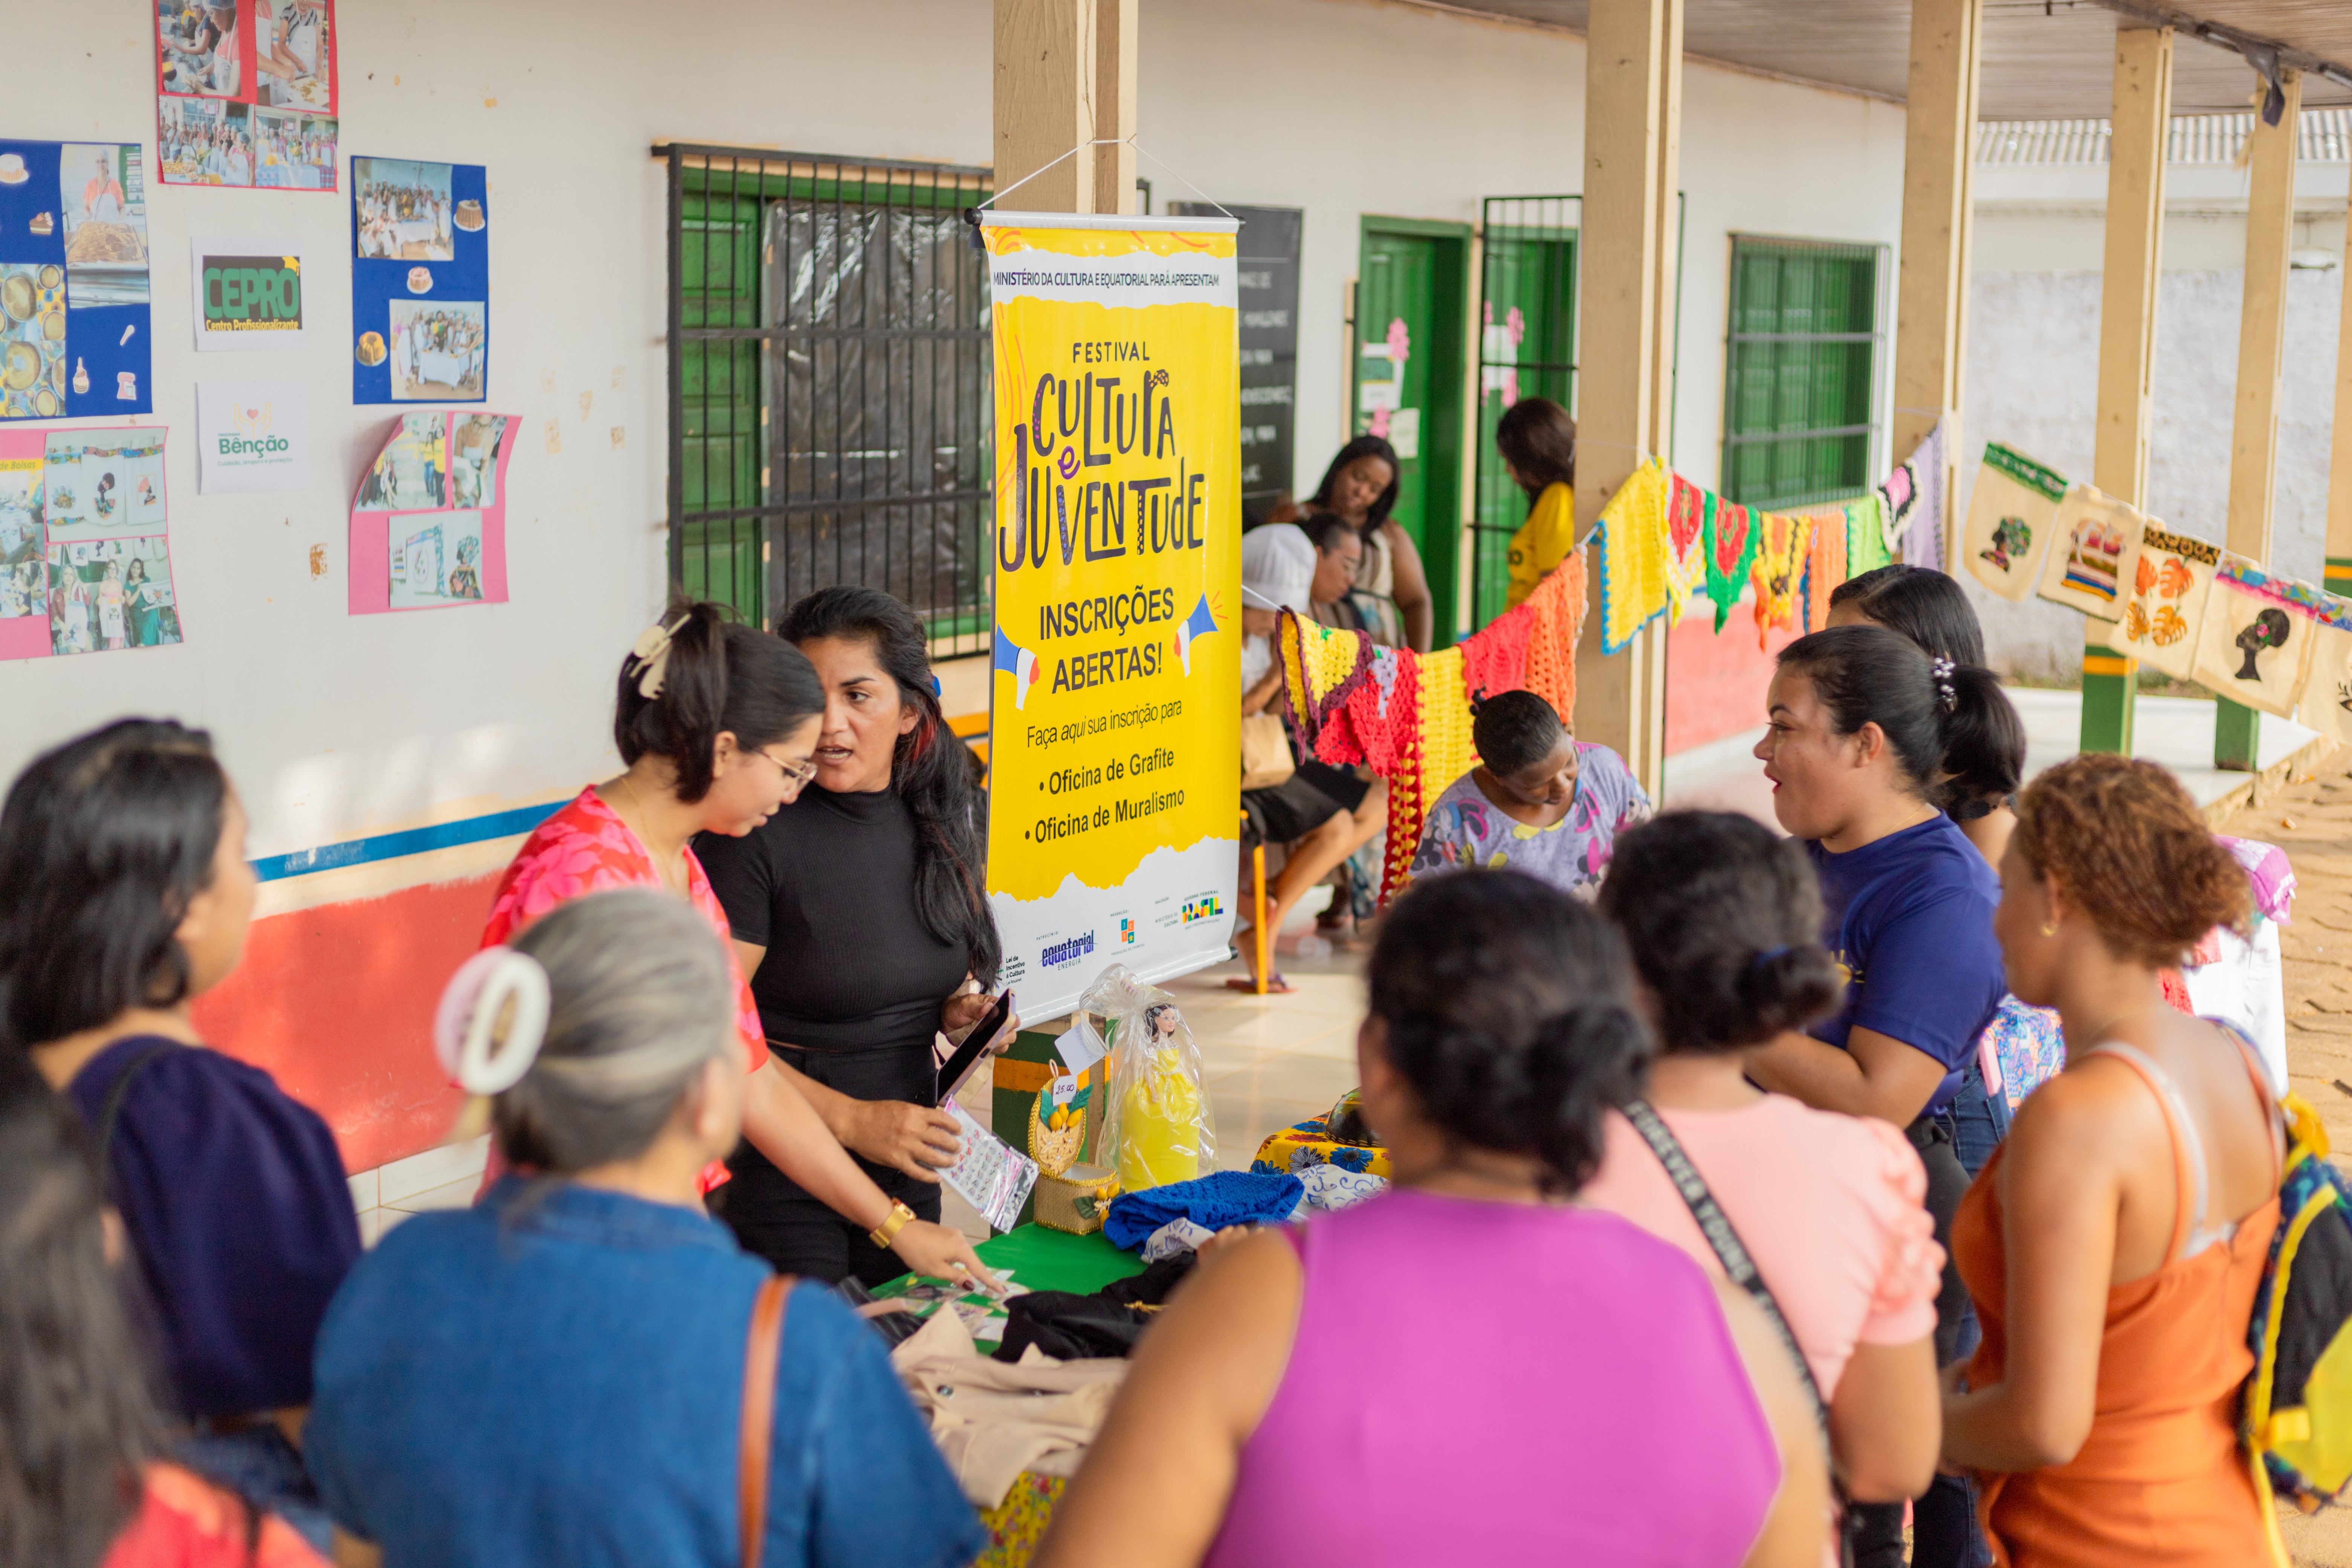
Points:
[[1200, 624], [1020, 664]]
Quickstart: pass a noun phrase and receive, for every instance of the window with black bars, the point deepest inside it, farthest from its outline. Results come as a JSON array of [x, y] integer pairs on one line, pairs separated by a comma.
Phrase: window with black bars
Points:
[[1800, 383], [1526, 348], [828, 384]]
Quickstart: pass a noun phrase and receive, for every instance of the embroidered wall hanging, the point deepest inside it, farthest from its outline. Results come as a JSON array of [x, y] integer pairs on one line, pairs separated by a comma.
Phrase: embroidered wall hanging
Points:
[[2010, 519], [2097, 540], [2256, 640], [2164, 601], [2326, 704]]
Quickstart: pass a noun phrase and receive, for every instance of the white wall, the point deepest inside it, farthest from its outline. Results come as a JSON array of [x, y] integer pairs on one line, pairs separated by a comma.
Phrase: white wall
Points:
[[336, 725]]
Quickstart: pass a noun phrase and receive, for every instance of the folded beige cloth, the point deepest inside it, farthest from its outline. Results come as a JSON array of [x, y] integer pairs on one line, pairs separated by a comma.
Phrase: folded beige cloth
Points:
[[992, 1419]]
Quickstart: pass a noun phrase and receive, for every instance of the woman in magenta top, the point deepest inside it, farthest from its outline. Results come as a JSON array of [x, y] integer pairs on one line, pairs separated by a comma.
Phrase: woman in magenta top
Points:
[[717, 722], [1468, 1368]]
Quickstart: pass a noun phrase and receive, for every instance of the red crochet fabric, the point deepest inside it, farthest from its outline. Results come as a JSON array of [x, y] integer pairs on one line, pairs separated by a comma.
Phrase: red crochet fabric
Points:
[[1557, 621], [1494, 657]]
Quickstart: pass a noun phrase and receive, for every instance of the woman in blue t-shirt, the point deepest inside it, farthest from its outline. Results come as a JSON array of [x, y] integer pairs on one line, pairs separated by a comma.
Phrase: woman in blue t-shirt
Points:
[[1868, 739], [557, 1374]]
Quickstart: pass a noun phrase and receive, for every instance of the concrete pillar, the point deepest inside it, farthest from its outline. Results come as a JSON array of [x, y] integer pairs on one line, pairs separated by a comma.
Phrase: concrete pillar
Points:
[[1931, 286], [2262, 340], [1632, 100], [2136, 155]]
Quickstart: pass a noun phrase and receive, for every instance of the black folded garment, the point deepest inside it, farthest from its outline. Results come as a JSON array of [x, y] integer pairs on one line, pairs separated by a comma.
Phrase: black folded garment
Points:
[[1070, 1327]]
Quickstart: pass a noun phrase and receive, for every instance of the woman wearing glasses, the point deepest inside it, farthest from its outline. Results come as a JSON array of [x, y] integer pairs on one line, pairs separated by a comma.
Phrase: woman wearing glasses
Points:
[[717, 722], [860, 918]]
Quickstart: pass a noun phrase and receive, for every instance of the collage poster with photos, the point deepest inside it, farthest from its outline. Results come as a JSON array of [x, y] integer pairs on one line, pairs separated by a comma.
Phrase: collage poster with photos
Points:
[[74, 297], [85, 554], [420, 281], [429, 522], [246, 93]]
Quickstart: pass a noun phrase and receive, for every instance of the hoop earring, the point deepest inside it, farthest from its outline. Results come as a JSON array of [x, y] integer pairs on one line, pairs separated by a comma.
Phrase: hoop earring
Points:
[[2049, 928]]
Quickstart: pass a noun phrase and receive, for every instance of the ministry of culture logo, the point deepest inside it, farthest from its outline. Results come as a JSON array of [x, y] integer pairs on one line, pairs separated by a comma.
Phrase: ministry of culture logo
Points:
[[1067, 952], [1126, 932], [1208, 906]]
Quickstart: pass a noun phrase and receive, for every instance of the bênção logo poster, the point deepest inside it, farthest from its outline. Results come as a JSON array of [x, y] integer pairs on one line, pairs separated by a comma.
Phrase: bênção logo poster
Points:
[[1114, 742], [252, 436]]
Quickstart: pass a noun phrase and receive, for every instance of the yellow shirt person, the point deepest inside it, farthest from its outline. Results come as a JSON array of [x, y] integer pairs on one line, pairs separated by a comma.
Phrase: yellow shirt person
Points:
[[1542, 542]]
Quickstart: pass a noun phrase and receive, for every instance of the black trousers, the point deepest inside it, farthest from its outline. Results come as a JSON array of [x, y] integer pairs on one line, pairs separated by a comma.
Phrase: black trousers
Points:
[[1944, 1531], [774, 1217]]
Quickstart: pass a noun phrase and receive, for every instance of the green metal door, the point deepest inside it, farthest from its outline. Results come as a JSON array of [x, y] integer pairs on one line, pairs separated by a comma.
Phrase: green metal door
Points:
[[1526, 348], [1411, 302]]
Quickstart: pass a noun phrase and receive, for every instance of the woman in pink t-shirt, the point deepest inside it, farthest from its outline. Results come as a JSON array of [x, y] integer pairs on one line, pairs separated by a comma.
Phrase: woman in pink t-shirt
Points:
[[1723, 918]]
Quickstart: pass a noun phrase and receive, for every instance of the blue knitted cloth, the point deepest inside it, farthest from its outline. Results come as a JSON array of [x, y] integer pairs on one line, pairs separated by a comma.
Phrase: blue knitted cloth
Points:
[[1213, 1202]]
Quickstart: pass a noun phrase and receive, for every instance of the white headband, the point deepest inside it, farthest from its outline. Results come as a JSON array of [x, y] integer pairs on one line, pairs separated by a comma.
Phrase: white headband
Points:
[[651, 652], [492, 1020]]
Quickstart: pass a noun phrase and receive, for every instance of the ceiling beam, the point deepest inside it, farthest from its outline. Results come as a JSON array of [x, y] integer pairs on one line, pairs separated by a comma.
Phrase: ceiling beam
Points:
[[2224, 35]]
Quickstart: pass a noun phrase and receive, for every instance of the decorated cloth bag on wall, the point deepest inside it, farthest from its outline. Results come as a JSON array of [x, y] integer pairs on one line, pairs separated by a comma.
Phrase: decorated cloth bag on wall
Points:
[[2164, 601], [1157, 1128], [2096, 539], [2327, 701], [2256, 641], [2011, 519]]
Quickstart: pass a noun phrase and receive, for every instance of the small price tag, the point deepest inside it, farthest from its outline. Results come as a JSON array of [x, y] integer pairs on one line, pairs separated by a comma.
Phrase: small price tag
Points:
[[1080, 1048]]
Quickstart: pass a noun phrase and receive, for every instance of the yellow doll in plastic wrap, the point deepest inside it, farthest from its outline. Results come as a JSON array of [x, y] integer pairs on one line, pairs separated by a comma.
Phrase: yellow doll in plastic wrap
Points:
[[1158, 1127]]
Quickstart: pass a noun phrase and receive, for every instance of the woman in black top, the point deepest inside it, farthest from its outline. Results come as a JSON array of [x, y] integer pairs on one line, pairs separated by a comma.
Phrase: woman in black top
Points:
[[859, 916]]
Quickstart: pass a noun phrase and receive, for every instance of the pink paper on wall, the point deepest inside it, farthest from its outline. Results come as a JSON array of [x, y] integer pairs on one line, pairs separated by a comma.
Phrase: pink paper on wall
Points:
[[429, 520], [85, 557]]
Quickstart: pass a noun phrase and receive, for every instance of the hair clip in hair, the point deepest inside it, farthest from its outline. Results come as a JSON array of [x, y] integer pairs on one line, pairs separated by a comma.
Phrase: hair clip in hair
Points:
[[651, 652], [492, 1020], [1942, 670]]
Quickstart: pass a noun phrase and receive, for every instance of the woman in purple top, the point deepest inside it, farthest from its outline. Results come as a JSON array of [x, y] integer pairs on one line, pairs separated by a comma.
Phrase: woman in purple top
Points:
[[1540, 801], [1468, 1368], [124, 895]]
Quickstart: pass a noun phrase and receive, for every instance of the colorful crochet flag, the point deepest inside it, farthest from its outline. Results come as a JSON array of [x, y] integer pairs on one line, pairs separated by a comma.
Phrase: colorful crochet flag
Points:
[[1685, 544], [2255, 646], [1783, 542], [1443, 752], [1866, 536], [2011, 519], [1634, 556], [2096, 539], [2164, 601], [1557, 607], [1825, 567], [1731, 551], [1320, 668], [1923, 525]]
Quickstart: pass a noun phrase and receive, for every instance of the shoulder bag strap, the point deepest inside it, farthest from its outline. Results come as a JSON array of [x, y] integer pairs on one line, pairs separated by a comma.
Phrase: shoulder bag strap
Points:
[[1729, 1250], [761, 1352], [112, 1109]]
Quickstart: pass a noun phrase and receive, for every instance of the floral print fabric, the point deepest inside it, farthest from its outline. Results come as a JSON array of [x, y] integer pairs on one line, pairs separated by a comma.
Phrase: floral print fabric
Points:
[[1465, 828]]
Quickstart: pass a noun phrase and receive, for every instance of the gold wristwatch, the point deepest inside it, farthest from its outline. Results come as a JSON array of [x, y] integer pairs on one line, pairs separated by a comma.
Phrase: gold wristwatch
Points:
[[885, 1233]]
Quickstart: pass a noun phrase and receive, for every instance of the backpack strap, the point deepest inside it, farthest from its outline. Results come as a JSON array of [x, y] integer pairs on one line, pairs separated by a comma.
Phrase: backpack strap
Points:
[[1729, 1250], [111, 1109], [763, 1350]]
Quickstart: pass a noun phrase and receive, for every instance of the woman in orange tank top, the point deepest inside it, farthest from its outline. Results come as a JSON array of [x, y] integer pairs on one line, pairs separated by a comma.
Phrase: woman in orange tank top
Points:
[[2114, 1243]]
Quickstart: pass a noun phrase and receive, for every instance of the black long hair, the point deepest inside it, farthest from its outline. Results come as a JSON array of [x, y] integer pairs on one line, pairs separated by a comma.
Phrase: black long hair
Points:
[[1724, 918], [722, 676], [1361, 447], [1508, 1010], [930, 769], [104, 841], [76, 1394], [1955, 734], [1927, 607], [1538, 438]]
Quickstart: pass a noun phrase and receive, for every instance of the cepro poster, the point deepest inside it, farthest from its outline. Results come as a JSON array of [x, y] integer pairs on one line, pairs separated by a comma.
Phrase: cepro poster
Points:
[[1114, 736]]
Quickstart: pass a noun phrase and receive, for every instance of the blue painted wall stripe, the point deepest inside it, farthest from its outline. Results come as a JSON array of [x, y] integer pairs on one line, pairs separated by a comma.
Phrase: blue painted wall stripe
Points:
[[411, 841]]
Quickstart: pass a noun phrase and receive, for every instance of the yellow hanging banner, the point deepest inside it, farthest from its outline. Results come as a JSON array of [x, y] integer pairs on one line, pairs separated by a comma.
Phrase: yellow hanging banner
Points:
[[1115, 718]]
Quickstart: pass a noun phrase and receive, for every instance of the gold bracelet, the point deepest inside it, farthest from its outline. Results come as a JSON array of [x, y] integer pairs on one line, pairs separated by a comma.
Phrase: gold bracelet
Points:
[[885, 1233]]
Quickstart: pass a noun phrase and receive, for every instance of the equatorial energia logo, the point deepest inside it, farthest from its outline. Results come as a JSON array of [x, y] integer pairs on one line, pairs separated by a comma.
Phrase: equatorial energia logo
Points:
[[1067, 952]]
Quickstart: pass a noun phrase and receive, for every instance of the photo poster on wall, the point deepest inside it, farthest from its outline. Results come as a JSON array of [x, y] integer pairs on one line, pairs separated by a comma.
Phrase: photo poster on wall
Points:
[[73, 281], [429, 522], [420, 281], [85, 555], [247, 93]]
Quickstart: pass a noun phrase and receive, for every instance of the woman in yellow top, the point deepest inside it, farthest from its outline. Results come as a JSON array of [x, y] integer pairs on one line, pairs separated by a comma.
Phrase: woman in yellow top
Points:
[[1537, 441]]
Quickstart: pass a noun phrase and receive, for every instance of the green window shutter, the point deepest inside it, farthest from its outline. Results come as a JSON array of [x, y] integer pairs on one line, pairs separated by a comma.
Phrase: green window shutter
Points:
[[1801, 373], [719, 404]]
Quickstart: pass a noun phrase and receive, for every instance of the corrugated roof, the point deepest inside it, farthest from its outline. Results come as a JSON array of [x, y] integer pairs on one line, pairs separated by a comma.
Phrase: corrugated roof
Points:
[[2324, 136]]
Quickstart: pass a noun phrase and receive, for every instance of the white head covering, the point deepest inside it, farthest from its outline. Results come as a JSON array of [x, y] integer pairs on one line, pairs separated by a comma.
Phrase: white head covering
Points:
[[1277, 567]]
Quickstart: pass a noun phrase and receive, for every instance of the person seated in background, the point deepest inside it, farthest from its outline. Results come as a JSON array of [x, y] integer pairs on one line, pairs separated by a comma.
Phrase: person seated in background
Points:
[[1469, 1368], [1321, 814], [1723, 920], [1537, 440], [1541, 801], [82, 1475], [124, 895], [557, 1375], [1338, 553]]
